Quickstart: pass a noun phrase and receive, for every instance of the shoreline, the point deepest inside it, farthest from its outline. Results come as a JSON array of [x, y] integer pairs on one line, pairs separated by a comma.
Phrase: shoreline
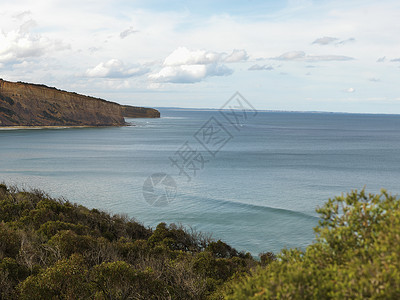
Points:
[[5, 128]]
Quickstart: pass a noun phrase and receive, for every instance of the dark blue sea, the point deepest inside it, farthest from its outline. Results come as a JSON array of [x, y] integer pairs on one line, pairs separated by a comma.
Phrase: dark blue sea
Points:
[[254, 183]]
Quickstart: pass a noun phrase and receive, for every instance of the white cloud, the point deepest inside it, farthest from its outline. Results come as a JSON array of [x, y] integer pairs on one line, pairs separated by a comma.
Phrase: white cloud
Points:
[[350, 90], [93, 49], [381, 59], [127, 32], [293, 55], [115, 68], [190, 66], [22, 15], [325, 40], [257, 67], [236, 56], [190, 73], [301, 56], [373, 79], [349, 40], [184, 56], [328, 58], [20, 44]]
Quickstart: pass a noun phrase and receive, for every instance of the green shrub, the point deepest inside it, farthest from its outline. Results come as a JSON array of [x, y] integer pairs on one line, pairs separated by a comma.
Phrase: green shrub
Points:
[[120, 280], [68, 242], [50, 228], [15, 271], [221, 250], [52, 249], [10, 242], [66, 279], [355, 256]]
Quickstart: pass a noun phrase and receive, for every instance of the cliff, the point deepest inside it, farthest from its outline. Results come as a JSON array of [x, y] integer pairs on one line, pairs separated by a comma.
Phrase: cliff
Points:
[[24, 104], [139, 112]]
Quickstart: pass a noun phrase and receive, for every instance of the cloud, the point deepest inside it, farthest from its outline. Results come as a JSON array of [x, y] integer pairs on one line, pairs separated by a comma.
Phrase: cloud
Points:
[[184, 56], [22, 15], [381, 59], [94, 49], [350, 90], [328, 58], [261, 68], [325, 40], [127, 32], [293, 55], [301, 56], [190, 66], [115, 68], [395, 59], [236, 56], [20, 44], [190, 73], [374, 79], [342, 42]]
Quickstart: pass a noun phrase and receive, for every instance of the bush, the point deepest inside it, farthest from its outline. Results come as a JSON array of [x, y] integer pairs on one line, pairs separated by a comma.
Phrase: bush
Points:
[[355, 256], [51, 228], [221, 250], [68, 243], [10, 242], [66, 279], [120, 280], [52, 249]]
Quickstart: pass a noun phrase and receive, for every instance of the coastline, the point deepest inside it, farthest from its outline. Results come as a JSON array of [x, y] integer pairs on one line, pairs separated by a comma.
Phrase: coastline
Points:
[[5, 128]]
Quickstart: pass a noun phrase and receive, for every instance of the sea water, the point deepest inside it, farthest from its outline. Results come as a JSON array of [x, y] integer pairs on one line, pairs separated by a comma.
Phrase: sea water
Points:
[[255, 186]]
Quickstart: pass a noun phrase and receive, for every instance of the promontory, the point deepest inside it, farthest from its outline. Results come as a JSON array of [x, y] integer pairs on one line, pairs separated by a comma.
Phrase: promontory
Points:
[[26, 104]]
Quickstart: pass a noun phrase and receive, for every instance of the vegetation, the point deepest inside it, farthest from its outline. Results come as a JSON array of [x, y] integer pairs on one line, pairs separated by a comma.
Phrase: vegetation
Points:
[[355, 256], [53, 249]]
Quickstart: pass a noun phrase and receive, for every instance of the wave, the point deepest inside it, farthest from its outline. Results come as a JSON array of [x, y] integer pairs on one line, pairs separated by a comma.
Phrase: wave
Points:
[[249, 206]]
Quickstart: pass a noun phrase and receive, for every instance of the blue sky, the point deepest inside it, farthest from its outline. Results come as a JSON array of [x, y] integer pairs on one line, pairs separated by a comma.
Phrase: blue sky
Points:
[[304, 55]]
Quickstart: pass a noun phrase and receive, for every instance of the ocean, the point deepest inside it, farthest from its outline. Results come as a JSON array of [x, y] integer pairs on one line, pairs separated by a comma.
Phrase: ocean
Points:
[[255, 184]]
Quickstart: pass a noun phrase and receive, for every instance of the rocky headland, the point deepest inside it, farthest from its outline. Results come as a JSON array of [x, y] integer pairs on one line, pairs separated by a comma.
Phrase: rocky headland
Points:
[[26, 104]]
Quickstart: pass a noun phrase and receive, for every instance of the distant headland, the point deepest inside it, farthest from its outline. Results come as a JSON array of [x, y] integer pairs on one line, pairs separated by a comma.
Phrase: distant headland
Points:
[[27, 104]]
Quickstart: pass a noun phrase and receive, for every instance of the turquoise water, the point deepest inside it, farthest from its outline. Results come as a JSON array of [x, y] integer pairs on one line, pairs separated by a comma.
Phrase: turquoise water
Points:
[[258, 192]]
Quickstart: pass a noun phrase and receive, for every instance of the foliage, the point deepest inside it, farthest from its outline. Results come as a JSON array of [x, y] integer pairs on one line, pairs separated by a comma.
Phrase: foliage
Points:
[[66, 279], [355, 256], [54, 249]]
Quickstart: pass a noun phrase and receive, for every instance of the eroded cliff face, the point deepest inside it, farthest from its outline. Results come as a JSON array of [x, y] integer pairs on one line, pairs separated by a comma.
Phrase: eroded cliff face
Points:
[[23, 104], [139, 112]]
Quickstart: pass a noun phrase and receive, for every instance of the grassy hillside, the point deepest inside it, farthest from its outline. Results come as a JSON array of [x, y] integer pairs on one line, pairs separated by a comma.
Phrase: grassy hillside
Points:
[[53, 249]]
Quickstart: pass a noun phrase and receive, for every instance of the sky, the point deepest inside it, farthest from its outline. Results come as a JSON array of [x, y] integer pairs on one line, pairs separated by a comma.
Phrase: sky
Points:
[[296, 55]]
